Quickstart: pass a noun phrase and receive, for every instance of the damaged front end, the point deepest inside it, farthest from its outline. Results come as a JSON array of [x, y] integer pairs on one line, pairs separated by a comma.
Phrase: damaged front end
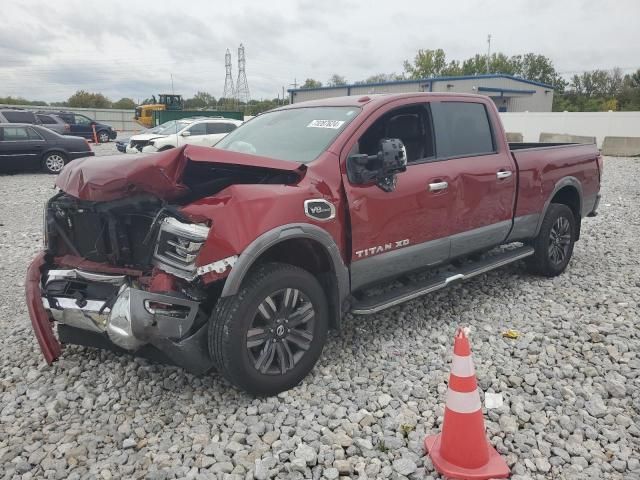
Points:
[[120, 268], [122, 275]]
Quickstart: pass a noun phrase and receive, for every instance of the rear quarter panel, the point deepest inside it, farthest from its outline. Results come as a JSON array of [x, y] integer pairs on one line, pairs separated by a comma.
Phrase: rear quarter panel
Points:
[[543, 169]]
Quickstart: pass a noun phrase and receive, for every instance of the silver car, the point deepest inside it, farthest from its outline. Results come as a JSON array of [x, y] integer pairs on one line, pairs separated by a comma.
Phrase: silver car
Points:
[[53, 122]]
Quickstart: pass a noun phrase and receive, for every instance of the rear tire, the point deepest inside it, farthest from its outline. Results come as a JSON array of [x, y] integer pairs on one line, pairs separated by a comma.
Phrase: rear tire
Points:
[[103, 136], [54, 162], [554, 243], [268, 337]]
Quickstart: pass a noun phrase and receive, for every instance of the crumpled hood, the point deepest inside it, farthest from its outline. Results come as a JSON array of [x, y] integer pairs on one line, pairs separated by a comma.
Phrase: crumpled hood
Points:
[[119, 176]]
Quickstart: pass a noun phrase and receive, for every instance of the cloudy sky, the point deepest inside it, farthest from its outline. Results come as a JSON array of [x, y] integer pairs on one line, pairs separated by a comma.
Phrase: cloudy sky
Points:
[[49, 49]]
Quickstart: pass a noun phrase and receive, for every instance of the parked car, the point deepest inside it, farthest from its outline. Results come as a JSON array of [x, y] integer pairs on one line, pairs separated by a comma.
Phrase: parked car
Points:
[[18, 115], [53, 122], [82, 126], [204, 131], [123, 143], [242, 256], [33, 147]]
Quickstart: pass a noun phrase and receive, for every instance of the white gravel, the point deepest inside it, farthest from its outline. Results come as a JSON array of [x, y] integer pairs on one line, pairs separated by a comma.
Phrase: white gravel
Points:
[[570, 382]]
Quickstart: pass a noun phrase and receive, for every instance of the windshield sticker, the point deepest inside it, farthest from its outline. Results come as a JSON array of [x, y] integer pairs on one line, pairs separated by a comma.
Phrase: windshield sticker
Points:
[[335, 124]]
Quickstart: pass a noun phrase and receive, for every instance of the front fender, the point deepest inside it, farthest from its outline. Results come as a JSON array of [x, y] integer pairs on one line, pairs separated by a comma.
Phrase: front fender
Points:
[[279, 234]]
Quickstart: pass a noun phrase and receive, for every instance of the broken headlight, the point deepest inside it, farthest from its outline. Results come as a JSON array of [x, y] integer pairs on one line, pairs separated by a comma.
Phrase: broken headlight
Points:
[[178, 246]]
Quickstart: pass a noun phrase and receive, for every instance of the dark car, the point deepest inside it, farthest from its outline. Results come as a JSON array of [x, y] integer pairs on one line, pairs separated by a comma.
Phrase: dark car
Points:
[[17, 115], [54, 123], [32, 147], [82, 126]]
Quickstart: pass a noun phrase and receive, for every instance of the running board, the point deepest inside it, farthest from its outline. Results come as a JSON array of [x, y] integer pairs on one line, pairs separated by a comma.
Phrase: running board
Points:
[[409, 292]]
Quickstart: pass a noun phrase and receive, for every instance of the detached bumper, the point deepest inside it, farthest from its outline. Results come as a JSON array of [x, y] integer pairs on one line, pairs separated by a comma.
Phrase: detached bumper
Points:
[[42, 325], [123, 317]]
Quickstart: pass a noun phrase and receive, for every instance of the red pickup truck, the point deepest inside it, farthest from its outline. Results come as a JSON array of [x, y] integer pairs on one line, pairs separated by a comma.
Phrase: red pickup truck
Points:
[[241, 257]]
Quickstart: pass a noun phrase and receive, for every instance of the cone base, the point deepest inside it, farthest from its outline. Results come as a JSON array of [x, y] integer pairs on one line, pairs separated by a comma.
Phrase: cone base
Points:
[[496, 467]]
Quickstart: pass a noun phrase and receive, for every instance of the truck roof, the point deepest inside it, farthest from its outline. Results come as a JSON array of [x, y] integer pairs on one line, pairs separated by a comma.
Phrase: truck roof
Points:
[[375, 100]]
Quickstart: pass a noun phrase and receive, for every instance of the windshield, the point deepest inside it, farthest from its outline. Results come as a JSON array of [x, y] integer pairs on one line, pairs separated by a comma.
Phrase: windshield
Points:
[[297, 134], [173, 126]]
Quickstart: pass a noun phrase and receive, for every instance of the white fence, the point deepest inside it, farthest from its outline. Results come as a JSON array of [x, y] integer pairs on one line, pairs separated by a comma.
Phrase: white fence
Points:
[[593, 124], [118, 119]]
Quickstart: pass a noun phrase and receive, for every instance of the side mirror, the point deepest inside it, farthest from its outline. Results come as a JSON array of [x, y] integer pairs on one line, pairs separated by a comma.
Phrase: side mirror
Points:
[[186, 133], [382, 168]]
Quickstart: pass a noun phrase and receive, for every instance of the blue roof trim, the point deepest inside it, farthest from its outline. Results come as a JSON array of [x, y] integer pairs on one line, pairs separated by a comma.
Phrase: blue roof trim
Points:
[[505, 90], [425, 80]]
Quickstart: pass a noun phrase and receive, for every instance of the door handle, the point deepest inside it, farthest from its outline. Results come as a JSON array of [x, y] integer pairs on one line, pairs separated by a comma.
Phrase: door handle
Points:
[[502, 174], [437, 186]]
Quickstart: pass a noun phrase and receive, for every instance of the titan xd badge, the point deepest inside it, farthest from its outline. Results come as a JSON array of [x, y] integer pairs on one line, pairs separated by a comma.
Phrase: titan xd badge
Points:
[[319, 209]]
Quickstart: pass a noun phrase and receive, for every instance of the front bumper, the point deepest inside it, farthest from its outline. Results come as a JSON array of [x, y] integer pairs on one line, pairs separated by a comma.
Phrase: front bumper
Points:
[[130, 149], [149, 149], [131, 319]]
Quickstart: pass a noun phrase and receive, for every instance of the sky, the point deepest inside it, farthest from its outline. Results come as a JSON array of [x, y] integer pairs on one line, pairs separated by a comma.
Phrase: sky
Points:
[[50, 49]]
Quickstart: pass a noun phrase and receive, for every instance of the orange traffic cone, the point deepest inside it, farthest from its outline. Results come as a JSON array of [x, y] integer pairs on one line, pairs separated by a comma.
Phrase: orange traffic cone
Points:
[[462, 450]]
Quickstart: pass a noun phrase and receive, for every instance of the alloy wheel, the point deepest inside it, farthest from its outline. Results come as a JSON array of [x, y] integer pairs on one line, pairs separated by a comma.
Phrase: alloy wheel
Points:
[[103, 137], [54, 162], [559, 240], [281, 331]]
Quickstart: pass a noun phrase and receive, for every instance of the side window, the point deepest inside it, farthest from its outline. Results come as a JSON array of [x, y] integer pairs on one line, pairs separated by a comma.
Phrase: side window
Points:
[[220, 127], [410, 124], [46, 119], [82, 120], [198, 129], [68, 118], [33, 135], [19, 117], [462, 129], [15, 134]]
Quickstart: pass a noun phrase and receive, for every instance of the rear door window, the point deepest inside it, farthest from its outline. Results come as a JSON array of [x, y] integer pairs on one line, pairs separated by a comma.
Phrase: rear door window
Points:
[[33, 135], [68, 118], [462, 129], [15, 134], [19, 117], [46, 119], [220, 127]]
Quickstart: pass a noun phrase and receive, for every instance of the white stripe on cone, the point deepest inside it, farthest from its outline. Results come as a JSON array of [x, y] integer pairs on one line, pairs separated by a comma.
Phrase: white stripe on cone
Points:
[[459, 402], [462, 366]]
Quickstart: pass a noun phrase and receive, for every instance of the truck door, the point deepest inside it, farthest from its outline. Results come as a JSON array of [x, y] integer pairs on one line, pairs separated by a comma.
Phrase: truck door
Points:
[[485, 192], [407, 228]]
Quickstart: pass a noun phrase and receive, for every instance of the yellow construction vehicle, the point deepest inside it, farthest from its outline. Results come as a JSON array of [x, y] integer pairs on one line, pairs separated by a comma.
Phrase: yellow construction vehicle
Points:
[[167, 101]]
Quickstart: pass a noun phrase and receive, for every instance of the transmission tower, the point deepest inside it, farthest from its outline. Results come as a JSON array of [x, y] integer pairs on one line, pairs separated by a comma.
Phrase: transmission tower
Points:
[[242, 87], [229, 92]]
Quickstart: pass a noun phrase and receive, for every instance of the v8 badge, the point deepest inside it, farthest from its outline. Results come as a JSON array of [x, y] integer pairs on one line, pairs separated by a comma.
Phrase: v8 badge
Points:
[[319, 209]]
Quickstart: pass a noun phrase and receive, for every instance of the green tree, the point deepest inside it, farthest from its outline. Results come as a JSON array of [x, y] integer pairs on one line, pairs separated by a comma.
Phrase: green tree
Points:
[[20, 101], [311, 83], [200, 100], [336, 80], [124, 104], [381, 78], [426, 63], [84, 99]]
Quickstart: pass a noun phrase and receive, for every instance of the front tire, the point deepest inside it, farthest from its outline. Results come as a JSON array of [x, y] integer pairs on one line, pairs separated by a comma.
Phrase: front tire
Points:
[[554, 243], [54, 162], [268, 337]]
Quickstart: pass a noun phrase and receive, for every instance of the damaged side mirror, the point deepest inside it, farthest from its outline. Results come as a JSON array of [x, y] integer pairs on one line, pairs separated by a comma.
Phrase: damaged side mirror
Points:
[[380, 169]]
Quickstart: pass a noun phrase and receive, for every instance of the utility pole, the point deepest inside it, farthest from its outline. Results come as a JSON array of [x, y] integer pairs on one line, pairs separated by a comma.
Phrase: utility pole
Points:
[[172, 90], [488, 51], [229, 92], [243, 96], [283, 95], [294, 84]]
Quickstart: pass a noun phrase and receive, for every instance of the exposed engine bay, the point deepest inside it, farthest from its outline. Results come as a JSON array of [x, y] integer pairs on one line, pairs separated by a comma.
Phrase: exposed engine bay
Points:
[[122, 260]]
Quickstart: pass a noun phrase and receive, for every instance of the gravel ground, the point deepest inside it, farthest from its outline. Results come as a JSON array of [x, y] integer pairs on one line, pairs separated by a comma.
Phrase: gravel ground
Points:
[[570, 382]]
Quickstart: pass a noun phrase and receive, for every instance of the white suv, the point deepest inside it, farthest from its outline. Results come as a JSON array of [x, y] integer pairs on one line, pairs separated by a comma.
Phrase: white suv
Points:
[[203, 131]]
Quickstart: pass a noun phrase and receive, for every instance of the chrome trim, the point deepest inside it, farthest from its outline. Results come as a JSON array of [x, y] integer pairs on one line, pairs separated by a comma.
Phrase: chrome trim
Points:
[[74, 274], [437, 186], [503, 174]]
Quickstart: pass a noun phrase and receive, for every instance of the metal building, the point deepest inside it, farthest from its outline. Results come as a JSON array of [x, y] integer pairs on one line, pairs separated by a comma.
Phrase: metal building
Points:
[[510, 94]]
